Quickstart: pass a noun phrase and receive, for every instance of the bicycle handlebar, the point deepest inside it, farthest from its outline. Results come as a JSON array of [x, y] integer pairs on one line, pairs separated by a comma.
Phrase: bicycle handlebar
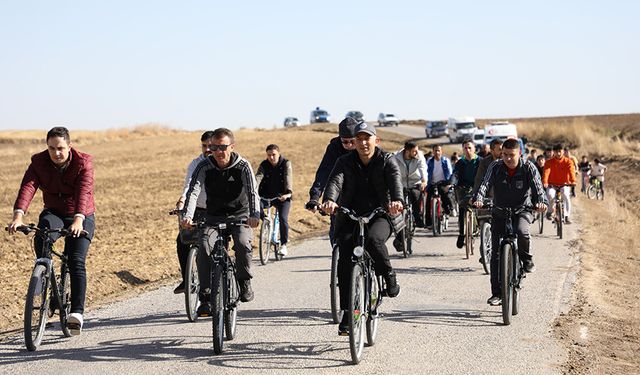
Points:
[[352, 214], [26, 229]]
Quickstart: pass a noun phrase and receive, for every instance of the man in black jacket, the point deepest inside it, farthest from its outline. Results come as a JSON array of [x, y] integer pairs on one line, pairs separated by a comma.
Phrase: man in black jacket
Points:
[[274, 178], [516, 182], [363, 180]]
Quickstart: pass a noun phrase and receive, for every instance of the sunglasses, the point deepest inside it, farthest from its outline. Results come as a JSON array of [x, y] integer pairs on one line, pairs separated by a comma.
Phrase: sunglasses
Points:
[[347, 141], [216, 147]]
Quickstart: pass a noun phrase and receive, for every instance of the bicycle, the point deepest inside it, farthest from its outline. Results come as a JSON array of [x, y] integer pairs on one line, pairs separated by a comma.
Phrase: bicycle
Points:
[[269, 232], [409, 226], [539, 217], [47, 292], [191, 280], [594, 191], [470, 227], [439, 219], [366, 291], [225, 287], [558, 220], [484, 220], [336, 313]]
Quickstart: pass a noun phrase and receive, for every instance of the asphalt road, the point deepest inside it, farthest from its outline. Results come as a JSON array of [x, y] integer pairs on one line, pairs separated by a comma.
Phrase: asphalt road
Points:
[[440, 322], [408, 130]]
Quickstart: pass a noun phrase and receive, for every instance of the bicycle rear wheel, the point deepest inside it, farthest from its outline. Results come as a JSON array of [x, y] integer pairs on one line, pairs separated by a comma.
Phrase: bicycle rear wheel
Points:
[[517, 268], [231, 310], [192, 284], [373, 317], [468, 234], [485, 247], [506, 272], [358, 313], [336, 313], [435, 218], [265, 241], [217, 306], [65, 299], [36, 307], [424, 209]]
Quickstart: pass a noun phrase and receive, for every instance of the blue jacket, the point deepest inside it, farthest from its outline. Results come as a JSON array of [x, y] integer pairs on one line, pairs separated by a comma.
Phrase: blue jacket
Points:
[[446, 168]]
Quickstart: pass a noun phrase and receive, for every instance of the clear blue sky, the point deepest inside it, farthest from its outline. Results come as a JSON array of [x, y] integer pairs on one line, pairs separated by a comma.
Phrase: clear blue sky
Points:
[[204, 64]]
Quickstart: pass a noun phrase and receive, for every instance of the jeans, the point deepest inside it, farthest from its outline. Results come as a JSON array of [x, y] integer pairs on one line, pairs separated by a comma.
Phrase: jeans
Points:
[[75, 249], [521, 224]]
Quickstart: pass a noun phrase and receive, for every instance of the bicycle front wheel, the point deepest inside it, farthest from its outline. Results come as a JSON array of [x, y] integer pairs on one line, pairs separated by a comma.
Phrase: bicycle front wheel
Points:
[[65, 299], [485, 247], [559, 219], [435, 219], [36, 307], [373, 317], [506, 274], [265, 241], [468, 234], [358, 313], [217, 306], [192, 285], [336, 313], [541, 221], [231, 311], [591, 191], [408, 235], [517, 268]]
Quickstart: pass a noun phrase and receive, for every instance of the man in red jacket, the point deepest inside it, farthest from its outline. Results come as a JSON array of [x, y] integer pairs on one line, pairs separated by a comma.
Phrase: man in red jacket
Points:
[[65, 177]]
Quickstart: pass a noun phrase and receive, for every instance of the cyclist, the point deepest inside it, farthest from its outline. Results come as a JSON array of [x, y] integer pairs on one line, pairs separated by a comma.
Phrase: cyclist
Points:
[[540, 160], [65, 176], [598, 173], [413, 173], [533, 155], [231, 194], [585, 171], [363, 180], [454, 158], [548, 153], [463, 177], [274, 179], [338, 146], [515, 182], [567, 153], [559, 171], [495, 152], [438, 169], [186, 236]]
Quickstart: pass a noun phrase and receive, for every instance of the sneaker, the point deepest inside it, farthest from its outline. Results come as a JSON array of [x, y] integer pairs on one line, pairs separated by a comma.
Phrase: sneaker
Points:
[[460, 242], [495, 301], [246, 294], [74, 323], [549, 217], [283, 250], [204, 309], [398, 245], [566, 220], [393, 289], [343, 327], [179, 289], [528, 266]]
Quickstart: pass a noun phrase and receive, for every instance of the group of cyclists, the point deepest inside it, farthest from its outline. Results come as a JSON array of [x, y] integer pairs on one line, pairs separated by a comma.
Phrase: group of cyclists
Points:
[[354, 173]]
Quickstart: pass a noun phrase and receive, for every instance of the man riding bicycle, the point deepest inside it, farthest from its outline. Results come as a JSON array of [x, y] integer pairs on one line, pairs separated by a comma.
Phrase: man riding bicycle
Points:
[[585, 171], [559, 172], [464, 174], [231, 194], [515, 182], [363, 180], [439, 169], [274, 179], [65, 176], [598, 173]]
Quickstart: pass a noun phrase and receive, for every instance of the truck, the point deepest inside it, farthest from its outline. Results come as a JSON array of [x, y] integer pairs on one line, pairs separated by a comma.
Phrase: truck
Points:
[[461, 128], [501, 130]]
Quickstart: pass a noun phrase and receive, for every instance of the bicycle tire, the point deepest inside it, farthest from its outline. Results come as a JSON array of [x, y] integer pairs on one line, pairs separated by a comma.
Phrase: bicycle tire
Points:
[[424, 209], [468, 234], [276, 244], [541, 222], [65, 299], [485, 247], [36, 306], [517, 268], [358, 314], [192, 285], [408, 235], [217, 307], [231, 310], [591, 191], [435, 219], [336, 313], [506, 272], [372, 316], [265, 241], [559, 219]]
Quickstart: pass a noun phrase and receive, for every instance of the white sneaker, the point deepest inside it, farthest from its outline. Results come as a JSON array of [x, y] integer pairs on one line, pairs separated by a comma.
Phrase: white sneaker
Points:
[[74, 323], [283, 250]]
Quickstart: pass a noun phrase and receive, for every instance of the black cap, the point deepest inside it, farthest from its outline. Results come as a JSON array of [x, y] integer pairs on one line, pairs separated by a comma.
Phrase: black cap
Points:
[[346, 128], [364, 128]]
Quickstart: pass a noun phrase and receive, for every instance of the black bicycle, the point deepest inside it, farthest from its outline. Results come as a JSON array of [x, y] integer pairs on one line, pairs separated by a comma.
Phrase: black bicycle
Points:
[[366, 290], [559, 218], [47, 291], [439, 219], [409, 226], [191, 280], [483, 216]]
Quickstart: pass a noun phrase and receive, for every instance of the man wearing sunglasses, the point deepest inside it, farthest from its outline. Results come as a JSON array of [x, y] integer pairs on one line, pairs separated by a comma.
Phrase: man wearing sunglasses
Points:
[[232, 193], [338, 146], [186, 237]]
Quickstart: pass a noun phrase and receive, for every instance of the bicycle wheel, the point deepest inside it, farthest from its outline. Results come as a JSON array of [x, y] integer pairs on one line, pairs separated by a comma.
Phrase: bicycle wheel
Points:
[[591, 191], [217, 306], [408, 235], [276, 244], [65, 299], [485, 247], [600, 193], [559, 218], [265, 241], [435, 218], [424, 209], [358, 313], [336, 313], [36, 307], [373, 317], [541, 221], [192, 285], [517, 267], [231, 310], [468, 233], [506, 272]]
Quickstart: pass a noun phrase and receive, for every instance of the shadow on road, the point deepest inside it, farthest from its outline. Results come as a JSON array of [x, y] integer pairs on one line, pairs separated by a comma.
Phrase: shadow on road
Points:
[[435, 271], [471, 318]]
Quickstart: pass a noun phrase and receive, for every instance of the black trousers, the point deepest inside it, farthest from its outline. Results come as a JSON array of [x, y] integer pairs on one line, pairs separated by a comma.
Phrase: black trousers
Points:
[[283, 212], [521, 225], [76, 250], [377, 233], [444, 196]]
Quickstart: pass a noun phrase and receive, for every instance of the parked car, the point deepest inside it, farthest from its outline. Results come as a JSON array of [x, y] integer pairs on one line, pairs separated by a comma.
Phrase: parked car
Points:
[[501, 130], [478, 138], [387, 119], [319, 115], [435, 129], [357, 115], [290, 122]]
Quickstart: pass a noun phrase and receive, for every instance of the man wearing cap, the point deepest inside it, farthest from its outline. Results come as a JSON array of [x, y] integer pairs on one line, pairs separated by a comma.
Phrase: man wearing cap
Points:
[[337, 147], [363, 180]]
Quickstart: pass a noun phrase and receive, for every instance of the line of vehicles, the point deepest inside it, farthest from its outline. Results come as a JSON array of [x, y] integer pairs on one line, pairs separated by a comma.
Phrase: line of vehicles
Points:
[[319, 115]]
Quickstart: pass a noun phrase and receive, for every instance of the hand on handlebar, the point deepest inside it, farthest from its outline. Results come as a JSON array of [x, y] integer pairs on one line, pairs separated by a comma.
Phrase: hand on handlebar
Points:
[[312, 206], [186, 224], [541, 207], [395, 207], [329, 207], [253, 222], [477, 204]]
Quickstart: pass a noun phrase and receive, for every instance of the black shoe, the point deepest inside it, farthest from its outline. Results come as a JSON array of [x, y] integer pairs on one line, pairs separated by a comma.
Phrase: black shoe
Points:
[[495, 301], [398, 245], [179, 289], [549, 217], [343, 327], [246, 294], [566, 220], [528, 266], [204, 309], [393, 289], [460, 242]]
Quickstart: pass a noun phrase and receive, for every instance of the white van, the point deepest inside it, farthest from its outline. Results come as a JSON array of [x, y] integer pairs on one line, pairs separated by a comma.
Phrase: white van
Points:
[[461, 128], [502, 130]]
